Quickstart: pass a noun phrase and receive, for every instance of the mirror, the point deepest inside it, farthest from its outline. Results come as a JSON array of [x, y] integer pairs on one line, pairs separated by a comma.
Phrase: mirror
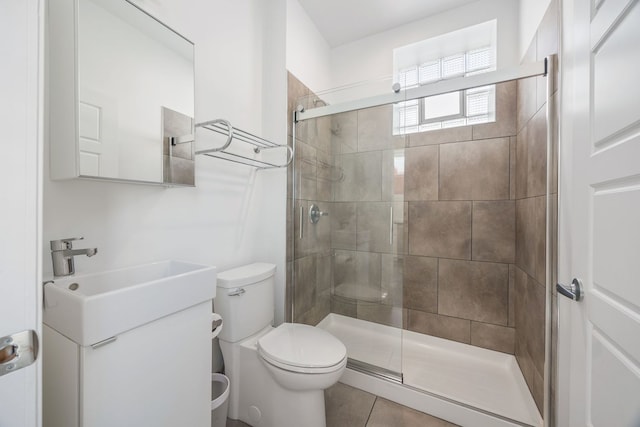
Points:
[[133, 88]]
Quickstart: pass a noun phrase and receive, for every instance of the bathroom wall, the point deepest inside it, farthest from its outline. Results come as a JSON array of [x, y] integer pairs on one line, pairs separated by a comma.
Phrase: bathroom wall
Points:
[[531, 275], [219, 221], [530, 15], [371, 58], [308, 54]]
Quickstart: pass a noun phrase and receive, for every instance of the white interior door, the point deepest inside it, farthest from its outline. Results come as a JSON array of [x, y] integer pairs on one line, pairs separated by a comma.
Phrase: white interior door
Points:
[[98, 128], [20, 175], [599, 345]]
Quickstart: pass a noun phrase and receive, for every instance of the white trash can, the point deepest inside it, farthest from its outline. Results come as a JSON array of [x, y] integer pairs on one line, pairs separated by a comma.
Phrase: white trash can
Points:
[[219, 400]]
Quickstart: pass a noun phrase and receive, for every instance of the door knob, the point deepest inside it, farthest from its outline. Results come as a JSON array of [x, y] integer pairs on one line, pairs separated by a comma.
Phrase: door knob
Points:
[[573, 291], [18, 351]]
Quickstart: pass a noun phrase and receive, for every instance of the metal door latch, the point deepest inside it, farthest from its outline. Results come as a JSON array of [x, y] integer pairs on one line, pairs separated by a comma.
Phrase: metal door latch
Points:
[[18, 351], [573, 291]]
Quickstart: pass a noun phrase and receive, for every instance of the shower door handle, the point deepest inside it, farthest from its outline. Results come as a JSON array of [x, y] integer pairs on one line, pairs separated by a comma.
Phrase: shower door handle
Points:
[[391, 226], [301, 220]]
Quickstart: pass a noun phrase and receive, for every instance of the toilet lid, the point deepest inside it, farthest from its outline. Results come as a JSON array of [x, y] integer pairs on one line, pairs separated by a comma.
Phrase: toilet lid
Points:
[[303, 346]]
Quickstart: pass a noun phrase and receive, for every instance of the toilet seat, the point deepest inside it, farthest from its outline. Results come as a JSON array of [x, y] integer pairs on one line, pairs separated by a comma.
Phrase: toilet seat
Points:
[[302, 348]]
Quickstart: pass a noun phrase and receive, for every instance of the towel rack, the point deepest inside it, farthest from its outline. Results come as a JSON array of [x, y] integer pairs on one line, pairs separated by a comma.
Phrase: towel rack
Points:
[[223, 127]]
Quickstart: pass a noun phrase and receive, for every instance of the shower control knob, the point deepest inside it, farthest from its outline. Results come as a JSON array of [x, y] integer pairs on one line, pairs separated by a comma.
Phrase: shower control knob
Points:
[[315, 213]]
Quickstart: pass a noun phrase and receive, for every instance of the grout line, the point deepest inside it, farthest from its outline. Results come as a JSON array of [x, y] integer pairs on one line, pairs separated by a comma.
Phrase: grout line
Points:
[[371, 411]]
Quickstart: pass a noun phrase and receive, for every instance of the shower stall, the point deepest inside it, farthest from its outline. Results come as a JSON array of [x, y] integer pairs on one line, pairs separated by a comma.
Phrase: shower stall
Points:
[[428, 252]]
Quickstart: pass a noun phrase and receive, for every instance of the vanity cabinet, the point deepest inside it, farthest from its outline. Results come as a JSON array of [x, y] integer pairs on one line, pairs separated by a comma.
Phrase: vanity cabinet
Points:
[[153, 375]]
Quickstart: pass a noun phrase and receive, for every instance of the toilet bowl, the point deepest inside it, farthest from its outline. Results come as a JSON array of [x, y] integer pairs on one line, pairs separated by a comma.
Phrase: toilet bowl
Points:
[[278, 375]]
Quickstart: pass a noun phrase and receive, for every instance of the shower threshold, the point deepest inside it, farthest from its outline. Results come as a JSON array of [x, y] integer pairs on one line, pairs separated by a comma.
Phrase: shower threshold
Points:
[[481, 381]]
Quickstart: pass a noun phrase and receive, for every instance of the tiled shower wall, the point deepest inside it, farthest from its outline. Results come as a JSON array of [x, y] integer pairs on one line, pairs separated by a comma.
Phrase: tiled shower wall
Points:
[[310, 258], [447, 270], [531, 209]]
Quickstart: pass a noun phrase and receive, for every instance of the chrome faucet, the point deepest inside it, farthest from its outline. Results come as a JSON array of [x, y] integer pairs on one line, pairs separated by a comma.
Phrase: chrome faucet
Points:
[[62, 254]]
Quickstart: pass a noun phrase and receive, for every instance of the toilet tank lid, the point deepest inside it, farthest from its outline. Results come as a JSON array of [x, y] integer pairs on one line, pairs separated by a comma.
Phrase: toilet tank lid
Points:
[[245, 275]]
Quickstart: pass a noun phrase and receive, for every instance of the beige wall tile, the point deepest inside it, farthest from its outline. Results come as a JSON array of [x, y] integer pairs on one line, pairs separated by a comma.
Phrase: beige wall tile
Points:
[[392, 272], [344, 132], [475, 170], [306, 171], [421, 173], [290, 229], [440, 229], [522, 161], [320, 309], [524, 362], [537, 390], [325, 169], [512, 166], [474, 290], [450, 328], [441, 136], [344, 306], [537, 155], [505, 124], [288, 293], [530, 319], [512, 295], [531, 236], [420, 289], [494, 231], [317, 133], [493, 337], [324, 272], [373, 223], [362, 177], [357, 275], [380, 313], [343, 225], [375, 129], [305, 284]]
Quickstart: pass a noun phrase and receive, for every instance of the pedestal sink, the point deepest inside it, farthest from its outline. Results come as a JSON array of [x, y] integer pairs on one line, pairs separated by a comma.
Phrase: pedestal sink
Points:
[[129, 347], [89, 308]]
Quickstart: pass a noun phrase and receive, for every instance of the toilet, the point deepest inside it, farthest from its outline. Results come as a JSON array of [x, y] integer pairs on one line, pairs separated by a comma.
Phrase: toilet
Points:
[[278, 375]]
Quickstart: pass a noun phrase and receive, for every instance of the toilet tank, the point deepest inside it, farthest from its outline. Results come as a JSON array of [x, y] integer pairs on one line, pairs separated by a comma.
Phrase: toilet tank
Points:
[[244, 299]]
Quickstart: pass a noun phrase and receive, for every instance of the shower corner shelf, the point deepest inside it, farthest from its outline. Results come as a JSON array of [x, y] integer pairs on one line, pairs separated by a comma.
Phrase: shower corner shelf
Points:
[[258, 144]]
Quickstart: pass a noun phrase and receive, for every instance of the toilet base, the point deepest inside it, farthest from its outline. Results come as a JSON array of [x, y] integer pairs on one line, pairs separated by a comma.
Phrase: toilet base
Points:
[[258, 400]]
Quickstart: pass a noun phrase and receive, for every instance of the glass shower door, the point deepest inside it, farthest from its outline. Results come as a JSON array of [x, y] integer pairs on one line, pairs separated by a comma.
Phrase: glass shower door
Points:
[[348, 265]]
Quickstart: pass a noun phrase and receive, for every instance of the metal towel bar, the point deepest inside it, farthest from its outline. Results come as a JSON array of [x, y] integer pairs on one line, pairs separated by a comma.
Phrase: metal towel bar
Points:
[[258, 144]]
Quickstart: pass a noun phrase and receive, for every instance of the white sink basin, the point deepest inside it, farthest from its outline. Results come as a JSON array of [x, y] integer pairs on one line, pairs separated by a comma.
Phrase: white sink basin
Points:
[[91, 308]]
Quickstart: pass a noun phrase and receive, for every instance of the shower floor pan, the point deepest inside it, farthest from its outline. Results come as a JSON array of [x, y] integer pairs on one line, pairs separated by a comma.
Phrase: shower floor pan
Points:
[[474, 377]]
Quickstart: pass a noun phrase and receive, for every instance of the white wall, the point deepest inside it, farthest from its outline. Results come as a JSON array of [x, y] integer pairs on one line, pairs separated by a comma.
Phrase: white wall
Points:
[[308, 54], [531, 13], [269, 224], [227, 219], [371, 58]]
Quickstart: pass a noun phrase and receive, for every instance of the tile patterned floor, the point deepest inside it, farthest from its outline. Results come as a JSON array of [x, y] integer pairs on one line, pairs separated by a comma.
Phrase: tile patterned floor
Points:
[[349, 407]]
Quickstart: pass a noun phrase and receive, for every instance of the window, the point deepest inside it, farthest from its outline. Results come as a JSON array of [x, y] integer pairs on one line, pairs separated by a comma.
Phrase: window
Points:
[[429, 62]]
